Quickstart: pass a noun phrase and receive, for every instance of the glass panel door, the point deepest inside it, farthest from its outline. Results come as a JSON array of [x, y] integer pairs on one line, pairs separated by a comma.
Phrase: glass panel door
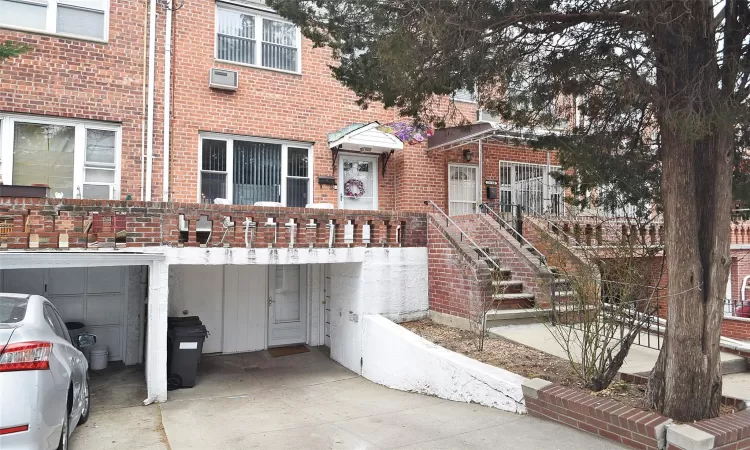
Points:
[[462, 190], [358, 182]]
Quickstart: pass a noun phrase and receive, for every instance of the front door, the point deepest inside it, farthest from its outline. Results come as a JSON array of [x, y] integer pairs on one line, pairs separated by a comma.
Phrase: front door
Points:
[[358, 182], [287, 305], [462, 189]]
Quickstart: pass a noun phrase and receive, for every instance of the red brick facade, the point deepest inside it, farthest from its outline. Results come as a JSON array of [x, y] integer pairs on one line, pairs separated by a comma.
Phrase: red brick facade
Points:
[[72, 78], [634, 428]]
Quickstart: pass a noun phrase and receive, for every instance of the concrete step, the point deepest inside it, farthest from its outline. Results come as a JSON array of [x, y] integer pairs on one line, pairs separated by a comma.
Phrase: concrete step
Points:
[[509, 286], [731, 363], [524, 316], [514, 297], [503, 273]]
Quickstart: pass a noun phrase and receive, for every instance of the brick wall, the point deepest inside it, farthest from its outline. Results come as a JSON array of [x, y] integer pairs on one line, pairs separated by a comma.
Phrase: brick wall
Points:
[[634, 428], [70, 223], [73, 78], [605, 417], [456, 276], [272, 104], [488, 234]]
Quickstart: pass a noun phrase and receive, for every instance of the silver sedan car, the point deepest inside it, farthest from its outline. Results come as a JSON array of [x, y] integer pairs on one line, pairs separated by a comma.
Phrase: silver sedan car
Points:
[[44, 387]]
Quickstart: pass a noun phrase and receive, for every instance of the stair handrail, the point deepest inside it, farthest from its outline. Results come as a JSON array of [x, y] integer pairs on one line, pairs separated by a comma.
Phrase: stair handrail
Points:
[[450, 221], [551, 224], [488, 210]]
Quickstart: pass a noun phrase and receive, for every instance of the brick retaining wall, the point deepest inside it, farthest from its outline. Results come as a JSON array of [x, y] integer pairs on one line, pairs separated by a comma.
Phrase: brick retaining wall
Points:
[[634, 428]]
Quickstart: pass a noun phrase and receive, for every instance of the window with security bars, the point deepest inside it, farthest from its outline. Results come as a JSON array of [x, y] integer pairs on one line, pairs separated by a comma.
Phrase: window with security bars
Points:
[[246, 171], [247, 37]]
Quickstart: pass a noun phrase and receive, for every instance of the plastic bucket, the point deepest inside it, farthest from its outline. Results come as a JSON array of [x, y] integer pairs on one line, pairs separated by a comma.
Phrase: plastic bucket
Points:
[[99, 357]]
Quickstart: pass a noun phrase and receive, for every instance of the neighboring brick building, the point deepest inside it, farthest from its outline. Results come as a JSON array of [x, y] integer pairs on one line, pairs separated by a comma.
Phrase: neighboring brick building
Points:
[[87, 87]]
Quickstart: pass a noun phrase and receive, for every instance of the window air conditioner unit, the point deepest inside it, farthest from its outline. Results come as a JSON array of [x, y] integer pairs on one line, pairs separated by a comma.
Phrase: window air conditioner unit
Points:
[[223, 79]]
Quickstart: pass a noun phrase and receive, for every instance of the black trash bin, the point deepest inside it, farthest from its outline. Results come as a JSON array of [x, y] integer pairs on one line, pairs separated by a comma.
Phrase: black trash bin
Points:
[[183, 355], [183, 320]]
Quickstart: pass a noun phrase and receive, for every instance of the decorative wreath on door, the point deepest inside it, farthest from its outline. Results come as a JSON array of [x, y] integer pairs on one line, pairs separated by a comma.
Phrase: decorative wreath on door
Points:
[[354, 188]]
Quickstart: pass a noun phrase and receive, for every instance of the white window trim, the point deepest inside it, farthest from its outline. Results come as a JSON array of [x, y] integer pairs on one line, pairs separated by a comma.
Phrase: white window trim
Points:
[[7, 131], [230, 138], [259, 15], [51, 25]]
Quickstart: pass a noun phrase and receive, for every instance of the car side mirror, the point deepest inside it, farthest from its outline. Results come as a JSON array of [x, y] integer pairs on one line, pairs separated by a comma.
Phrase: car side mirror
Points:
[[86, 340]]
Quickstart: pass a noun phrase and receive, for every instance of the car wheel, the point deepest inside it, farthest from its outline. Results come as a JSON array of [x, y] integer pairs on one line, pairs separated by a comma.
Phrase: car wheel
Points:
[[65, 435], [86, 402]]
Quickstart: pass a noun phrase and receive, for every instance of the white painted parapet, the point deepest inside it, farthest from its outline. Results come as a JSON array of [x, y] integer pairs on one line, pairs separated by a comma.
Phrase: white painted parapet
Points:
[[397, 358]]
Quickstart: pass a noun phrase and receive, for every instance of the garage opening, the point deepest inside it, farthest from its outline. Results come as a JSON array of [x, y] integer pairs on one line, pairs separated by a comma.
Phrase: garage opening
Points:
[[108, 302], [248, 309]]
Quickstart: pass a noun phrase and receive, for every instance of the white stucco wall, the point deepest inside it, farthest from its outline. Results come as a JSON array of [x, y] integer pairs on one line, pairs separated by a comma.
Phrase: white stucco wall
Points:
[[395, 357], [391, 282]]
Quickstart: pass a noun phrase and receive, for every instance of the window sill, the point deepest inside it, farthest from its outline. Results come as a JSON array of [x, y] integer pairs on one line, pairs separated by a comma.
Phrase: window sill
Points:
[[253, 66], [57, 35]]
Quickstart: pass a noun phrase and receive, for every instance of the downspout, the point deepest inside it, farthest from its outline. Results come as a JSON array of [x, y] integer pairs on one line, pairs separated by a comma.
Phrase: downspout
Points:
[[167, 100], [143, 105], [479, 177], [150, 114]]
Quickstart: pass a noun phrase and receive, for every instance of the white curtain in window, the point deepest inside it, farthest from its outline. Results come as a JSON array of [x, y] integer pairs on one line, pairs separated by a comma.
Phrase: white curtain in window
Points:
[[23, 14], [236, 36], [80, 21], [279, 45], [43, 154]]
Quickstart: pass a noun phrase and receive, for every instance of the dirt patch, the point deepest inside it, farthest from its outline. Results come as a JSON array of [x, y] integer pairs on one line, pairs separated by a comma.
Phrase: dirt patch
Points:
[[527, 361], [517, 358]]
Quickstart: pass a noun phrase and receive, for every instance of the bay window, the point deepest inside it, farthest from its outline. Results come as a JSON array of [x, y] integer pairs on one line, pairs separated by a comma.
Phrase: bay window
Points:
[[245, 171], [75, 159], [255, 38], [77, 18]]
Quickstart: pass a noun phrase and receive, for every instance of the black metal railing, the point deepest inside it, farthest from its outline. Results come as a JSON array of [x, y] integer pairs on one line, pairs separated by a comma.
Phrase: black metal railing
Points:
[[614, 322], [487, 209], [463, 235], [737, 308]]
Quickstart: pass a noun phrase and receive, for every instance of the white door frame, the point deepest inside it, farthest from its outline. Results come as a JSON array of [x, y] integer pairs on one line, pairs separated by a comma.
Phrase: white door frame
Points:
[[375, 178], [477, 196], [303, 303]]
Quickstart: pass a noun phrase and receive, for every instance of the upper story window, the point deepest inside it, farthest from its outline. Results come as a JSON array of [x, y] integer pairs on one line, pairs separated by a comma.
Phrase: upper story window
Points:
[[78, 18], [255, 38], [75, 159]]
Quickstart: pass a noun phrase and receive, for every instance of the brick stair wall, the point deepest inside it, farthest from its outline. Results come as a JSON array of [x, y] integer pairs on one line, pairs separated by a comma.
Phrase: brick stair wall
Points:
[[523, 264], [457, 276]]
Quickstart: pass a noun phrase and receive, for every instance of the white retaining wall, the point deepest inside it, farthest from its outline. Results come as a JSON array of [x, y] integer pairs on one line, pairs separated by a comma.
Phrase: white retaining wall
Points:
[[397, 358]]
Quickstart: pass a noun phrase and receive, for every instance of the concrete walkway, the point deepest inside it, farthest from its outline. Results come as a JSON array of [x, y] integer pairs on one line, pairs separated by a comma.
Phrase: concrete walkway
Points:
[[305, 401], [640, 360]]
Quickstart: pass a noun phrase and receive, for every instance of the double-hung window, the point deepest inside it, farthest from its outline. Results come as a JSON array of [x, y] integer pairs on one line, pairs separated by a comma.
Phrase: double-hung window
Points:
[[256, 38], [78, 18], [247, 170], [76, 159]]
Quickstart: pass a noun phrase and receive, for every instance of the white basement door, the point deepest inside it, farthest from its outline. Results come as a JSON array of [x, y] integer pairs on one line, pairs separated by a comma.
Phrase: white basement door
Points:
[[95, 296], [287, 315]]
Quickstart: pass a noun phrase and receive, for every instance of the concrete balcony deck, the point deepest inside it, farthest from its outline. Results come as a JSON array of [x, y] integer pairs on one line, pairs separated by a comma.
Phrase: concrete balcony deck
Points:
[[44, 223]]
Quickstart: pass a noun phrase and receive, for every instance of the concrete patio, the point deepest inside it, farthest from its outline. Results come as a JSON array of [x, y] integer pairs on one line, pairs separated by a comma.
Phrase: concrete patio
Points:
[[640, 360], [302, 401]]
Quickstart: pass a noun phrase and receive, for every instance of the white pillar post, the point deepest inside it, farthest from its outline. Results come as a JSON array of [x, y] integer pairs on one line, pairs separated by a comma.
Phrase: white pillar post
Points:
[[156, 345]]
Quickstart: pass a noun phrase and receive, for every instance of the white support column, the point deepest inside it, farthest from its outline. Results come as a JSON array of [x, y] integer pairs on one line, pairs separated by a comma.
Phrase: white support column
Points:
[[156, 345]]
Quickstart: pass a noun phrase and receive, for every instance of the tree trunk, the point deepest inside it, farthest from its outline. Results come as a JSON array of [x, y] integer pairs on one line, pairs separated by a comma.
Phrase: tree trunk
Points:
[[697, 138]]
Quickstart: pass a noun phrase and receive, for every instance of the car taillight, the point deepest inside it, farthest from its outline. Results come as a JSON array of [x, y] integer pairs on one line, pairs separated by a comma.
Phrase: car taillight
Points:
[[25, 356]]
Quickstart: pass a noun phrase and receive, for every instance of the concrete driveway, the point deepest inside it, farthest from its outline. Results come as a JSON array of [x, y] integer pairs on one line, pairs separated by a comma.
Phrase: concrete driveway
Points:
[[304, 401]]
